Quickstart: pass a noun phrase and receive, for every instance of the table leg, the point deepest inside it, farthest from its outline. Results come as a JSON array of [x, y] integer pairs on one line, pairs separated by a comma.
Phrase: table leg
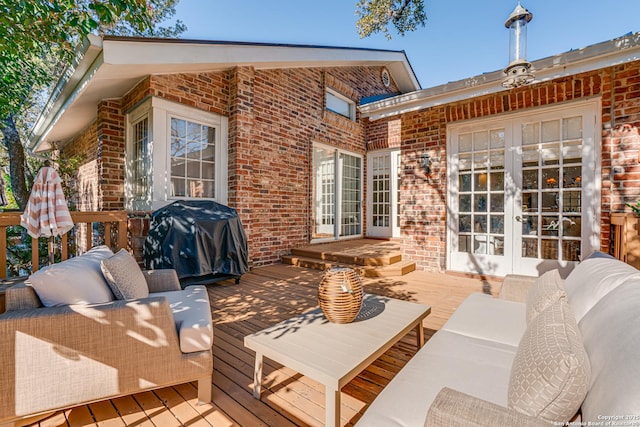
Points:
[[257, 376], [332, 410], [420, 334]]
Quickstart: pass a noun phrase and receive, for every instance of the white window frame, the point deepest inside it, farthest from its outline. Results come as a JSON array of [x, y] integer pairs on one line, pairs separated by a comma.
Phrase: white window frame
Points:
[[350, 104], [160, 112]]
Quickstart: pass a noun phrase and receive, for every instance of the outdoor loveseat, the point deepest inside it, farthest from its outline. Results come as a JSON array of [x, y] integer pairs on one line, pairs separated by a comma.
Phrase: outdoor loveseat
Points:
[[547, 351], [96, 327]]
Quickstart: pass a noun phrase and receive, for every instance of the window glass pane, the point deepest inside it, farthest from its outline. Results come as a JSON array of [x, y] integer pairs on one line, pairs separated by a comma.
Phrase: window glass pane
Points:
[[464, 203], [496, 159], [572, 152], [497, 181], [551, 131], [480, 182], [465, 182], [497, 138], [530, 134], [529, 202], [572, 128], [550, 178], [480, 141], [339, 105], [530, 179], [497, 224], [530, 156], [193, 169], [497, 202], [464, 244], [178, 167], [551, 154], [178, 187], [464, 162], [464, 223], [465, 143], [208, 170]]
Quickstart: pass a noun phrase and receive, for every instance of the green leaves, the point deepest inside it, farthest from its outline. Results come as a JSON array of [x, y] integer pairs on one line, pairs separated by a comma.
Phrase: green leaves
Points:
[[35, 35], [375, 16]]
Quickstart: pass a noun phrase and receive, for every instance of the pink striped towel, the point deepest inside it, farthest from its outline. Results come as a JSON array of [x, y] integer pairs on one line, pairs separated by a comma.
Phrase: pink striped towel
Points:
[[46, 213]]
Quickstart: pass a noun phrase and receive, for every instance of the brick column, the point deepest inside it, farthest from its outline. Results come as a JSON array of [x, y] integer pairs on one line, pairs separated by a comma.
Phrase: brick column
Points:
[[241, 123], [110, 155]]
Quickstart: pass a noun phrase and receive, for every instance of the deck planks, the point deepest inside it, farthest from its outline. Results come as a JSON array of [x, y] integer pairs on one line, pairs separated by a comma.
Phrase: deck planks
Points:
[[266, 296]]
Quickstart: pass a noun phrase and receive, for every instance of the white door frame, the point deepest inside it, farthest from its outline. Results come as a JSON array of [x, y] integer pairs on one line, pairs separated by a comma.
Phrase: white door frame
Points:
[[591, 190], [393, 230]]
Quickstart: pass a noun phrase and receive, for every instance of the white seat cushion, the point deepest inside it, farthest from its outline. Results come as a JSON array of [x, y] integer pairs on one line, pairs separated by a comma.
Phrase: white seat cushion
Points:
[[485, 317], [476, 367], [192, 314]]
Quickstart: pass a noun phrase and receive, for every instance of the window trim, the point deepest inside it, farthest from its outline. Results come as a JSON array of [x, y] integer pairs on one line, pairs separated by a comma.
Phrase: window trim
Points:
[[160, 112], [350, 103]]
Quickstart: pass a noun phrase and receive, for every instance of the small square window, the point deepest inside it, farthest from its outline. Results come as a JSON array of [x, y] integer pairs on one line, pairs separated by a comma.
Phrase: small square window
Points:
[[340, 104]]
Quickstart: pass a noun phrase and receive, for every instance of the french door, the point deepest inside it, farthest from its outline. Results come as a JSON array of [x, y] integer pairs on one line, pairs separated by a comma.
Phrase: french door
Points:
[[383, 183], [337, 193], [524, 191]]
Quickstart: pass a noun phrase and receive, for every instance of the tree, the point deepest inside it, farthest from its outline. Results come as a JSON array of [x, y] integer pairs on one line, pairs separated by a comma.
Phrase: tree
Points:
[[38, 38], [376, 15]]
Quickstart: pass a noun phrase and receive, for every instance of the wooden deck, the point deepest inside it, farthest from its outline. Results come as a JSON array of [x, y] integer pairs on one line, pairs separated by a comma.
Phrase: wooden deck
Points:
[[266, 296]]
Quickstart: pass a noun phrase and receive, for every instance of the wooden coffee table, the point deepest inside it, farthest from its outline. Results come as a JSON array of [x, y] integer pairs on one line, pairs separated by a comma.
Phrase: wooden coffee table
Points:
[[333, 354]]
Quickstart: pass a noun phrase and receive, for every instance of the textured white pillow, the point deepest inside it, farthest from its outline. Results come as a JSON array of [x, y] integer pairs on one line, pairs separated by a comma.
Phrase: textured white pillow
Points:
[[551, 374], [77, 280], [124, 276], [546, 290]]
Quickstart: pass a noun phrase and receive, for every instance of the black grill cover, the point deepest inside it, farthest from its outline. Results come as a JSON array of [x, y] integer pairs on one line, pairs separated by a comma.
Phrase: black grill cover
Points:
[[200, 239]]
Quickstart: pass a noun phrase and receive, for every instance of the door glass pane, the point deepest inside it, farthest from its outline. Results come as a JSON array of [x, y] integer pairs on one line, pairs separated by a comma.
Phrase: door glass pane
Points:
[[381, 191], [497, 202], [351, 221], [529, 248]]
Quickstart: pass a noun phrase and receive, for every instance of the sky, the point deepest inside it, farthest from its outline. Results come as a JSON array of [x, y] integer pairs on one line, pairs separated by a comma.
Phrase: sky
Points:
[[461, 38]]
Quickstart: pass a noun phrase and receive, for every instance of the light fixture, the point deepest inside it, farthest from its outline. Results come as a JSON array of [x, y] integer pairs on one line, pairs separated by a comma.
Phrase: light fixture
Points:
[[426, 163], [518, 72]]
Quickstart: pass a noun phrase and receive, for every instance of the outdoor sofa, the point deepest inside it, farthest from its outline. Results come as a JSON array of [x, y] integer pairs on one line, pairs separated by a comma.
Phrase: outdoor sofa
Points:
[[95, 327], [547, 351]]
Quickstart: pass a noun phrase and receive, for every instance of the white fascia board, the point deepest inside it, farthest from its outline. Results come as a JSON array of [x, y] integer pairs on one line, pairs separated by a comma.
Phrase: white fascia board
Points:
[[599, 56], [185, 56]]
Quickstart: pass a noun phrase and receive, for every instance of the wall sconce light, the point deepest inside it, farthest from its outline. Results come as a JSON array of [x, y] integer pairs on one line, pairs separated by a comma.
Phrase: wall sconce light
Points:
[[518, 72], [425, 164]]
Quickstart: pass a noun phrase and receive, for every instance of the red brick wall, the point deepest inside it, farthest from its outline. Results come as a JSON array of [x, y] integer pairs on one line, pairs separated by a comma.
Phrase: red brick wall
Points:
[[274, 117], [423, 199]]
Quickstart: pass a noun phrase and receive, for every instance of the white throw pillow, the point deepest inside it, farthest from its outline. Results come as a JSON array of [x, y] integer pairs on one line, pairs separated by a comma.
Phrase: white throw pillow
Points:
[[77, 280], [546, 290], [124, 276], [551, 374]]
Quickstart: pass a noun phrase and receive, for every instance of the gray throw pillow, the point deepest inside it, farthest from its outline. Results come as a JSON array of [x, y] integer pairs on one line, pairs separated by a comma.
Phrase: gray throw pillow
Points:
[[124, 276]]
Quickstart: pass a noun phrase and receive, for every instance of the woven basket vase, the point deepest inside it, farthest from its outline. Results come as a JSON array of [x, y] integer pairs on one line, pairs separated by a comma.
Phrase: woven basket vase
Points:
[[340, 294]]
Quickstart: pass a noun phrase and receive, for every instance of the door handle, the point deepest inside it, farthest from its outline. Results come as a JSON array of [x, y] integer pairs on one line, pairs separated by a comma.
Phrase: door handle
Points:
[[518, 218]]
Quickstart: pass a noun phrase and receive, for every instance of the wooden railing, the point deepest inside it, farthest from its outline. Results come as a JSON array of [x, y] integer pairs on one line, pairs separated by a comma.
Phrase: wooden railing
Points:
[[112, 221], [625, 238]]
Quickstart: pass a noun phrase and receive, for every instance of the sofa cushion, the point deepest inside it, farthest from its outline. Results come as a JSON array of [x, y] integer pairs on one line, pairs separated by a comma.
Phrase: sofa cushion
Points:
[[611, 334], [124, 276], [544, 292], [77, 280], [551, 373], [477, 367], [192, 314], [485, 317], [592, 279]]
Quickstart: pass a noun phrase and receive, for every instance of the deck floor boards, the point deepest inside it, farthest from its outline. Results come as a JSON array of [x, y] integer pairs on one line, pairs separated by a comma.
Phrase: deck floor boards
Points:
[[265, 296]]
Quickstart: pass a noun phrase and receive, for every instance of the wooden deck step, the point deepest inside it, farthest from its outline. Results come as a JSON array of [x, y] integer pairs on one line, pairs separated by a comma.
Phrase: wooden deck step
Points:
[[367, 252], [396, 269]]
